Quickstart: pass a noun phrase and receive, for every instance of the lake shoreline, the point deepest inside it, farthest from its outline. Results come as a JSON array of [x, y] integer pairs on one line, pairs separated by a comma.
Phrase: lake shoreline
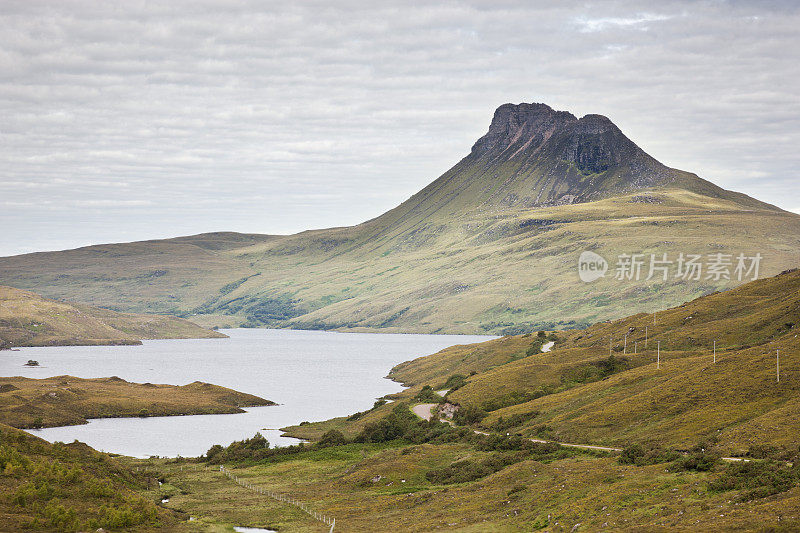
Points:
[[312, 375]]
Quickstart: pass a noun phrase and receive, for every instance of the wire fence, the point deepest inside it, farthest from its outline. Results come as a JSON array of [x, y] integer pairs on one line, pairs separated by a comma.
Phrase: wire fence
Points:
[[325, 519]]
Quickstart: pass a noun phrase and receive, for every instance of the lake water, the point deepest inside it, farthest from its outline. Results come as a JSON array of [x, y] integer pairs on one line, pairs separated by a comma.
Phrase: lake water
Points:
[[313, 375]]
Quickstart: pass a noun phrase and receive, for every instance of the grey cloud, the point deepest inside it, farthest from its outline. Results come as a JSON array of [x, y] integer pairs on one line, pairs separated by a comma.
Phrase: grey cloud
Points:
[[127, 122]]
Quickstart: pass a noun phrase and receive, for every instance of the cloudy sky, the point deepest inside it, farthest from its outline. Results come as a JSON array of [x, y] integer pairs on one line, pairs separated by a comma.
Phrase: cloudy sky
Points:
[[127, 120]]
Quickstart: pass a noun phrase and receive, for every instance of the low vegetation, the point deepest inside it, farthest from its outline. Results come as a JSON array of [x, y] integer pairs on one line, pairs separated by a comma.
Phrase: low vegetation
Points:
[[70, 487]]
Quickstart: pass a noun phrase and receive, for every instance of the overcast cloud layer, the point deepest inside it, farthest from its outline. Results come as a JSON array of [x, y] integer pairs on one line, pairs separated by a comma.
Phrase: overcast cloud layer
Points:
[[130, 120]]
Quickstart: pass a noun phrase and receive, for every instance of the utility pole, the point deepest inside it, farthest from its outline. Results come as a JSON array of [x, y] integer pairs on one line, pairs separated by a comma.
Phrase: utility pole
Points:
[[715, 352], [658, 361], [778, 368]]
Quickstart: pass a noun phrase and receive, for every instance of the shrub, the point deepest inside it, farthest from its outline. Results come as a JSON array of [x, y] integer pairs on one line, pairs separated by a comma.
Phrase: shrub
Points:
[[757, 479], [695, 461], [360, 414], [464, 471], [427, 394], [516, 398], [469, 415], [639, 455], [503, 424], [401, 423], [506, 451], [535, 347], [595, 370], [332, 438], [455, 382]]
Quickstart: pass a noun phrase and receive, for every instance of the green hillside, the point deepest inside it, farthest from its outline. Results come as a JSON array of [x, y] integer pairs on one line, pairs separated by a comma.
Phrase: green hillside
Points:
[[579, 392], [27, 319], [71, 487], [491, 246]]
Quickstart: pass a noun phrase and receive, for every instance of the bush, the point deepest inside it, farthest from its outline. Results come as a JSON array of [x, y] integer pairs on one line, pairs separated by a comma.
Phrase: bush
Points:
[[455, 382], [639, 455], [465, 471], [507, 451], [757, 479], [401, 423], [535, 347], [427, 394], [360, 414], [332, 438], [469, 415], [696, 461], [595, 370], [503, 424], [256, 447]]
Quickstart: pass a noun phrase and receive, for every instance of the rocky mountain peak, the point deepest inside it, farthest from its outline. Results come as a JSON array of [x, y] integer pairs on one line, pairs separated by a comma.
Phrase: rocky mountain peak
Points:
[[530, 124]]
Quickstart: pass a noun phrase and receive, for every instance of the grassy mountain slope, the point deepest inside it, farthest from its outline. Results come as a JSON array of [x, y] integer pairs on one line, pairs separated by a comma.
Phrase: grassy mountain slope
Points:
[[490, 246], [27, 319], [67, 400], [576, 393]]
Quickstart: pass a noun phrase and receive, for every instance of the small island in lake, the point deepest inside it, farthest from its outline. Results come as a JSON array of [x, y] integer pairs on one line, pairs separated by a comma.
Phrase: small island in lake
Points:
[[67, 400], [32, 362]]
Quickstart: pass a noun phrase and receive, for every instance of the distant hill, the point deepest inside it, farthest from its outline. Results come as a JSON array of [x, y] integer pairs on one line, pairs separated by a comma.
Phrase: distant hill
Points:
[[491, 246], [27, 319]]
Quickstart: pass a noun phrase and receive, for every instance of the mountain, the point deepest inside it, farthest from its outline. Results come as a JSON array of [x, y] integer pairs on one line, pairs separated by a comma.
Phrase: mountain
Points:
[[533, 156], [491, 246], [27, 319]]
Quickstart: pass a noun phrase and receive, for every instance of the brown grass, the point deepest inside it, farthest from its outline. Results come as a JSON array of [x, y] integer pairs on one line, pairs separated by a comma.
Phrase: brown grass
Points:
[[67, 400]]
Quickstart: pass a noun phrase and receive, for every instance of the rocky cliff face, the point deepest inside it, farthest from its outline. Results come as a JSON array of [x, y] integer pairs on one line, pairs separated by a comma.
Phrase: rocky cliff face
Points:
[[583, 159]]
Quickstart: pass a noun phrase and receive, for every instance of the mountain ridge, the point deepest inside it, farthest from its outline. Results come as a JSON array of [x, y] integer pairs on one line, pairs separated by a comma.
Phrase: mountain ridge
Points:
[[491, 246]]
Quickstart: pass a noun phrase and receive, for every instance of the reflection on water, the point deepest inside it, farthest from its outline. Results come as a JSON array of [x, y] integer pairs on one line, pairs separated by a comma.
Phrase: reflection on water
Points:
[[313, 375]]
